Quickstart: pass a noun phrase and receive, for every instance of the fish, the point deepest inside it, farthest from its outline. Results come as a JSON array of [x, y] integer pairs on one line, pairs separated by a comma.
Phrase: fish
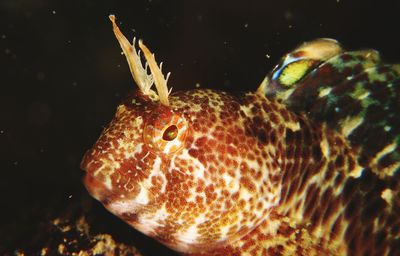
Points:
[[308, 164]]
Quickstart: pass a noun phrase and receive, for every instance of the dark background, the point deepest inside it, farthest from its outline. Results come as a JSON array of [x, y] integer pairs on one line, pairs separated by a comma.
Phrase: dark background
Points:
[[62, 75]]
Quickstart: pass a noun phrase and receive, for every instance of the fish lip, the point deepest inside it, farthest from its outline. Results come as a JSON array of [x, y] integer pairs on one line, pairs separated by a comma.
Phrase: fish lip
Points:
[[89, 162], [92, 186], [108, 198], [97, 189], [95, 186], [84, 162]]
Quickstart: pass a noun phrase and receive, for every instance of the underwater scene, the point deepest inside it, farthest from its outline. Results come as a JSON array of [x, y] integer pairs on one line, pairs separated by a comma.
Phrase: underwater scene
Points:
[[156, 127]]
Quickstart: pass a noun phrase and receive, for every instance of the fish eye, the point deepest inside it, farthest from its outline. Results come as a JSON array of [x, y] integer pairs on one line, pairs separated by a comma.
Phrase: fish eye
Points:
[[165, 132], [170, 133]]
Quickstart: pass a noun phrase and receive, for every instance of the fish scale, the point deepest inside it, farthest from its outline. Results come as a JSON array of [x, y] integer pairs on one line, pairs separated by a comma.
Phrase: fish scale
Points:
[[299, 167]]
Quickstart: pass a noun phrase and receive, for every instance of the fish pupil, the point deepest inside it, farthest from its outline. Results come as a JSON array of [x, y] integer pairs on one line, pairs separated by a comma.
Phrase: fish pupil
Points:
[[170, 133]]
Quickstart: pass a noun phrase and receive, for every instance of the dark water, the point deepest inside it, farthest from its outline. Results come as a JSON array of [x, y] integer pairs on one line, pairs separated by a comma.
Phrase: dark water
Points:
[[62, 76]]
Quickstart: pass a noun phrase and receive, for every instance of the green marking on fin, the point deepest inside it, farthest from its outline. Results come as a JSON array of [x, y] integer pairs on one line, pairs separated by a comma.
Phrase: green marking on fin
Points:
[[360, 92], [324, 90], [396, 68], [295, 71], [397, 139], [366, 102], [375, 76]]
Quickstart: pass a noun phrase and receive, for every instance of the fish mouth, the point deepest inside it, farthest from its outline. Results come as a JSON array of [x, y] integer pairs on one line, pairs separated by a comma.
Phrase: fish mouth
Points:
[[100, 184], [126, 207], [84, 165], [94, 185], [96, 188]]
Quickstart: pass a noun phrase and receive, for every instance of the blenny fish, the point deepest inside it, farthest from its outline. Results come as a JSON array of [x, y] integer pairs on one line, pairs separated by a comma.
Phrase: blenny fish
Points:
[[308, 164]]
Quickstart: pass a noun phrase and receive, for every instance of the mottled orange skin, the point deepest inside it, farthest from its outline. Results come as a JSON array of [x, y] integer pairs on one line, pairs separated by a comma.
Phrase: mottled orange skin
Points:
[[220, 142], [250, 178], [265, 173]]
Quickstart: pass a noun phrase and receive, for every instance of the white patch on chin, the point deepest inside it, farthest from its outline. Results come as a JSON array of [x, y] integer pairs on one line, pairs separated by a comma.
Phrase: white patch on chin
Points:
[[146, 225], [123, 206], [120, 207], [142, 198], [189, 236]]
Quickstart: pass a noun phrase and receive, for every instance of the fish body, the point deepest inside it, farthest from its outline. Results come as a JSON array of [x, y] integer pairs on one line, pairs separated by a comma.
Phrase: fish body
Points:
[[270, 172]]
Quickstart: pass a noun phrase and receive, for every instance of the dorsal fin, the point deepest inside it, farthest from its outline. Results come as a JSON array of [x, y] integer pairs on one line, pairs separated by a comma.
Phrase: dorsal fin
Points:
[[355, 94]]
